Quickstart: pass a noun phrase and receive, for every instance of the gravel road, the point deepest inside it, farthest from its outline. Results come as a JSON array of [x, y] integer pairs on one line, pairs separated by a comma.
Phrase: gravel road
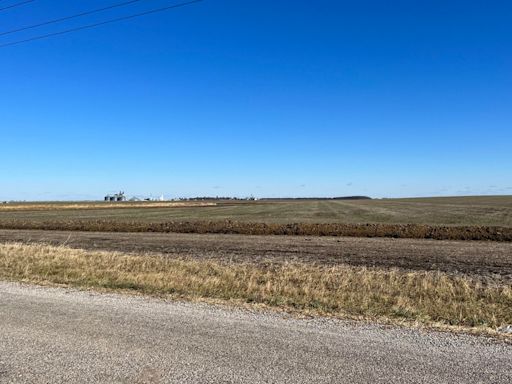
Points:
[[56, 335]]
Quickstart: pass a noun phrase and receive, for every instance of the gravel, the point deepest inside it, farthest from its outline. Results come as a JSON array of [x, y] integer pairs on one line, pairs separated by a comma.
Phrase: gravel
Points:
[[58, 335]]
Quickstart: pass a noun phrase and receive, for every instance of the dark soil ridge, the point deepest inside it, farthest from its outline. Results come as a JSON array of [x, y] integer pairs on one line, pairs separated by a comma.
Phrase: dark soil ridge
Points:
[[409, 231]]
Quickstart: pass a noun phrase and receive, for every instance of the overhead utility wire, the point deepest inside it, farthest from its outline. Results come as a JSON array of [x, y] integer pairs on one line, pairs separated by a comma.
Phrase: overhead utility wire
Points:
[[100, 23], [68, 17], [16, 4]]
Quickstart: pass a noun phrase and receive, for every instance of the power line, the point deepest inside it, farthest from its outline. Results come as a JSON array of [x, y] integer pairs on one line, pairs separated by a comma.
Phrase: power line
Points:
[[16, 4], [100, 23], [68, 17]]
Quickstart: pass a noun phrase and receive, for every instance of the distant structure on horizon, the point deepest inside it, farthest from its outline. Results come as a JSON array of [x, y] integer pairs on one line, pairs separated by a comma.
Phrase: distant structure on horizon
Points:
[[122, 197], [116, 197]]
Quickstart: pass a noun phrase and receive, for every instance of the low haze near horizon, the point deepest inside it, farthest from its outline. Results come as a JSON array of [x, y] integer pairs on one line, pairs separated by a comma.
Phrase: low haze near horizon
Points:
[[263, 98]]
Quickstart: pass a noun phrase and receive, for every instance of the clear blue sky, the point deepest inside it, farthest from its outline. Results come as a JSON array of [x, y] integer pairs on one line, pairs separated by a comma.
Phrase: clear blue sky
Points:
[[269, 98]]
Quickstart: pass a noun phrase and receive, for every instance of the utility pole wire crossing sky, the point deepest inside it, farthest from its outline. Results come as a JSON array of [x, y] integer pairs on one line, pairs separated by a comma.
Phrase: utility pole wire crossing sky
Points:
[[16, 5], [100, 23], [69, 17]]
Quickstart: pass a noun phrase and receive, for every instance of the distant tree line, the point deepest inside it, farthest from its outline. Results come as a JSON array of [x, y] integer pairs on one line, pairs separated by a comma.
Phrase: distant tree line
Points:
[[215, 198], [320, 198], [251, 198]]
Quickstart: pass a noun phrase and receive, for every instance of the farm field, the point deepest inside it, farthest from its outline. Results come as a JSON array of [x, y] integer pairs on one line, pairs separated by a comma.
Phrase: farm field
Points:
[[459, 211], [407, 261]]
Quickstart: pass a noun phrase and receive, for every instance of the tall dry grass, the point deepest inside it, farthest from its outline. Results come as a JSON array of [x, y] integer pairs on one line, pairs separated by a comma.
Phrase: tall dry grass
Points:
[[426, 297], [13, 207]]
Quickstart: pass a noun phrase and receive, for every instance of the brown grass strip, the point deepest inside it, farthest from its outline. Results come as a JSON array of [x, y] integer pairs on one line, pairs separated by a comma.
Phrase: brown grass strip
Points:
[[101, 205], [341, 291]]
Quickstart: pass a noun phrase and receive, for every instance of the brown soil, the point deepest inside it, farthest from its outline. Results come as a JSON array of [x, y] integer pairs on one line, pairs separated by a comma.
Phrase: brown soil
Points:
[[489, 261], [410, 231]]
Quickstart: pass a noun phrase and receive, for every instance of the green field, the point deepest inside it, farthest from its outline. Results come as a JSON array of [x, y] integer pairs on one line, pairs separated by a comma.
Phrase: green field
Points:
[[478, 210]]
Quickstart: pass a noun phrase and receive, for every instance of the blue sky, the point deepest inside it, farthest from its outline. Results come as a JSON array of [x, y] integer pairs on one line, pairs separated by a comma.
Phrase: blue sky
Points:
[[263, 98]]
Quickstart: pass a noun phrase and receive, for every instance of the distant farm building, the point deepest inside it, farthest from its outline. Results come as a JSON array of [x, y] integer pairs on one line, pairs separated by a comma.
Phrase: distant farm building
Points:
[[116, 197]]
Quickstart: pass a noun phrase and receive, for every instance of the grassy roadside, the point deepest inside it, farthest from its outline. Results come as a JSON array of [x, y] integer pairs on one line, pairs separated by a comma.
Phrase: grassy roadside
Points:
[[430, 298]]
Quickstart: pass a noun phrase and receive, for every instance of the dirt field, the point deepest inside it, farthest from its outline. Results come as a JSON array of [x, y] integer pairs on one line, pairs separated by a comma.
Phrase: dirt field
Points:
[[488, 261]]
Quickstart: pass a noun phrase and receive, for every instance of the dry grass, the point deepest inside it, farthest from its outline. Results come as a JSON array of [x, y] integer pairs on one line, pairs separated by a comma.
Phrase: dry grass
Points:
[[342, 291], [100, 205]]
